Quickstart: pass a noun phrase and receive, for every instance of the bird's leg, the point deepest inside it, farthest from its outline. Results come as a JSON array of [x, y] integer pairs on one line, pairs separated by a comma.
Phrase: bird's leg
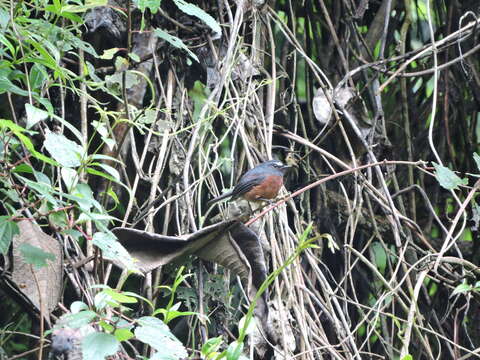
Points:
[[268, 201]]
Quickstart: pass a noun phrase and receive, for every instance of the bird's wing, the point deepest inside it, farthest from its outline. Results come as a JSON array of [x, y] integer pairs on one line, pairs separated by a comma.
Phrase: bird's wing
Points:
[[246, 184]]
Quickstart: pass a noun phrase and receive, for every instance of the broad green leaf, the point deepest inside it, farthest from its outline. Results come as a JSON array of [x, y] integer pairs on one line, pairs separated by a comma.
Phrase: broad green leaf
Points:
[[77, 306], [109, 54], [107, 327], [34, 115], [38, 76], [110, 170], [65, 151], [7, 230], [380, 256], [234, 350], [35, 256], [407, 357], [194, 10], [83, 195], [7, 85], [212, 345], [102, 300], [173, 40], [121, 64], [17, 131], [42, 178], [79, 319], [173, 314], [98, 345], [462, 288], [250, 327], [153, 5], [113, 250], [123, 334], [155, 333], [447, 178], [58, 219], [134, 57], [23, 168], [4, 18], [121, 298], [42, 189], [100, 173], [70, 177]]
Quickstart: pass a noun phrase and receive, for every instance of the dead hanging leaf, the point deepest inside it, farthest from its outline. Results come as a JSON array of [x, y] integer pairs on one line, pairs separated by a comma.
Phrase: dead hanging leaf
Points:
[[321, 107], [228, 243], [154, 250], [349, 101], [39, 285]]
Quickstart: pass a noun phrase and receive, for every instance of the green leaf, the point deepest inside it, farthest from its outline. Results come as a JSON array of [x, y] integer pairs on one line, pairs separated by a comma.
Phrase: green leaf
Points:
[[58, 219], [106, 326], [113, 250], [81, 318], [153, 5], [380, 256], [7, 230], [65, 151], [7, 44], [89, 4], [462, 288], [35, 256], [38, 76], [211, 345], [407, 357], [123, 334], [42, 189], [169, 315], [194, 10], [134, 57], [77, 306], [23, 168], [110, 170], [155, 333], [250, 327], [98, 345], [4, 18], [34, 115], [7, 85], [234, 350], [17, 131], [109, 54], [102, 300], [173, 40], [447, 178], [121, 298], [70, 177]]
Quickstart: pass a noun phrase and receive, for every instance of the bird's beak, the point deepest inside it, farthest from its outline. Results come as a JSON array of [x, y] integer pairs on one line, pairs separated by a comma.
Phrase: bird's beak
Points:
[[286, 167]]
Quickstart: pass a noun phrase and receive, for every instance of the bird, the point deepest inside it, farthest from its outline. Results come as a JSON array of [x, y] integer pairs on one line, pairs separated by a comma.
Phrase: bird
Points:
[[262, 183], [66, 340]]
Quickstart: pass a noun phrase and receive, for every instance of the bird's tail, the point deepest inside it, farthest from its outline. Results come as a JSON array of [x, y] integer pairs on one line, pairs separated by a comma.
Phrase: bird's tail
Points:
[[218, 198]]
